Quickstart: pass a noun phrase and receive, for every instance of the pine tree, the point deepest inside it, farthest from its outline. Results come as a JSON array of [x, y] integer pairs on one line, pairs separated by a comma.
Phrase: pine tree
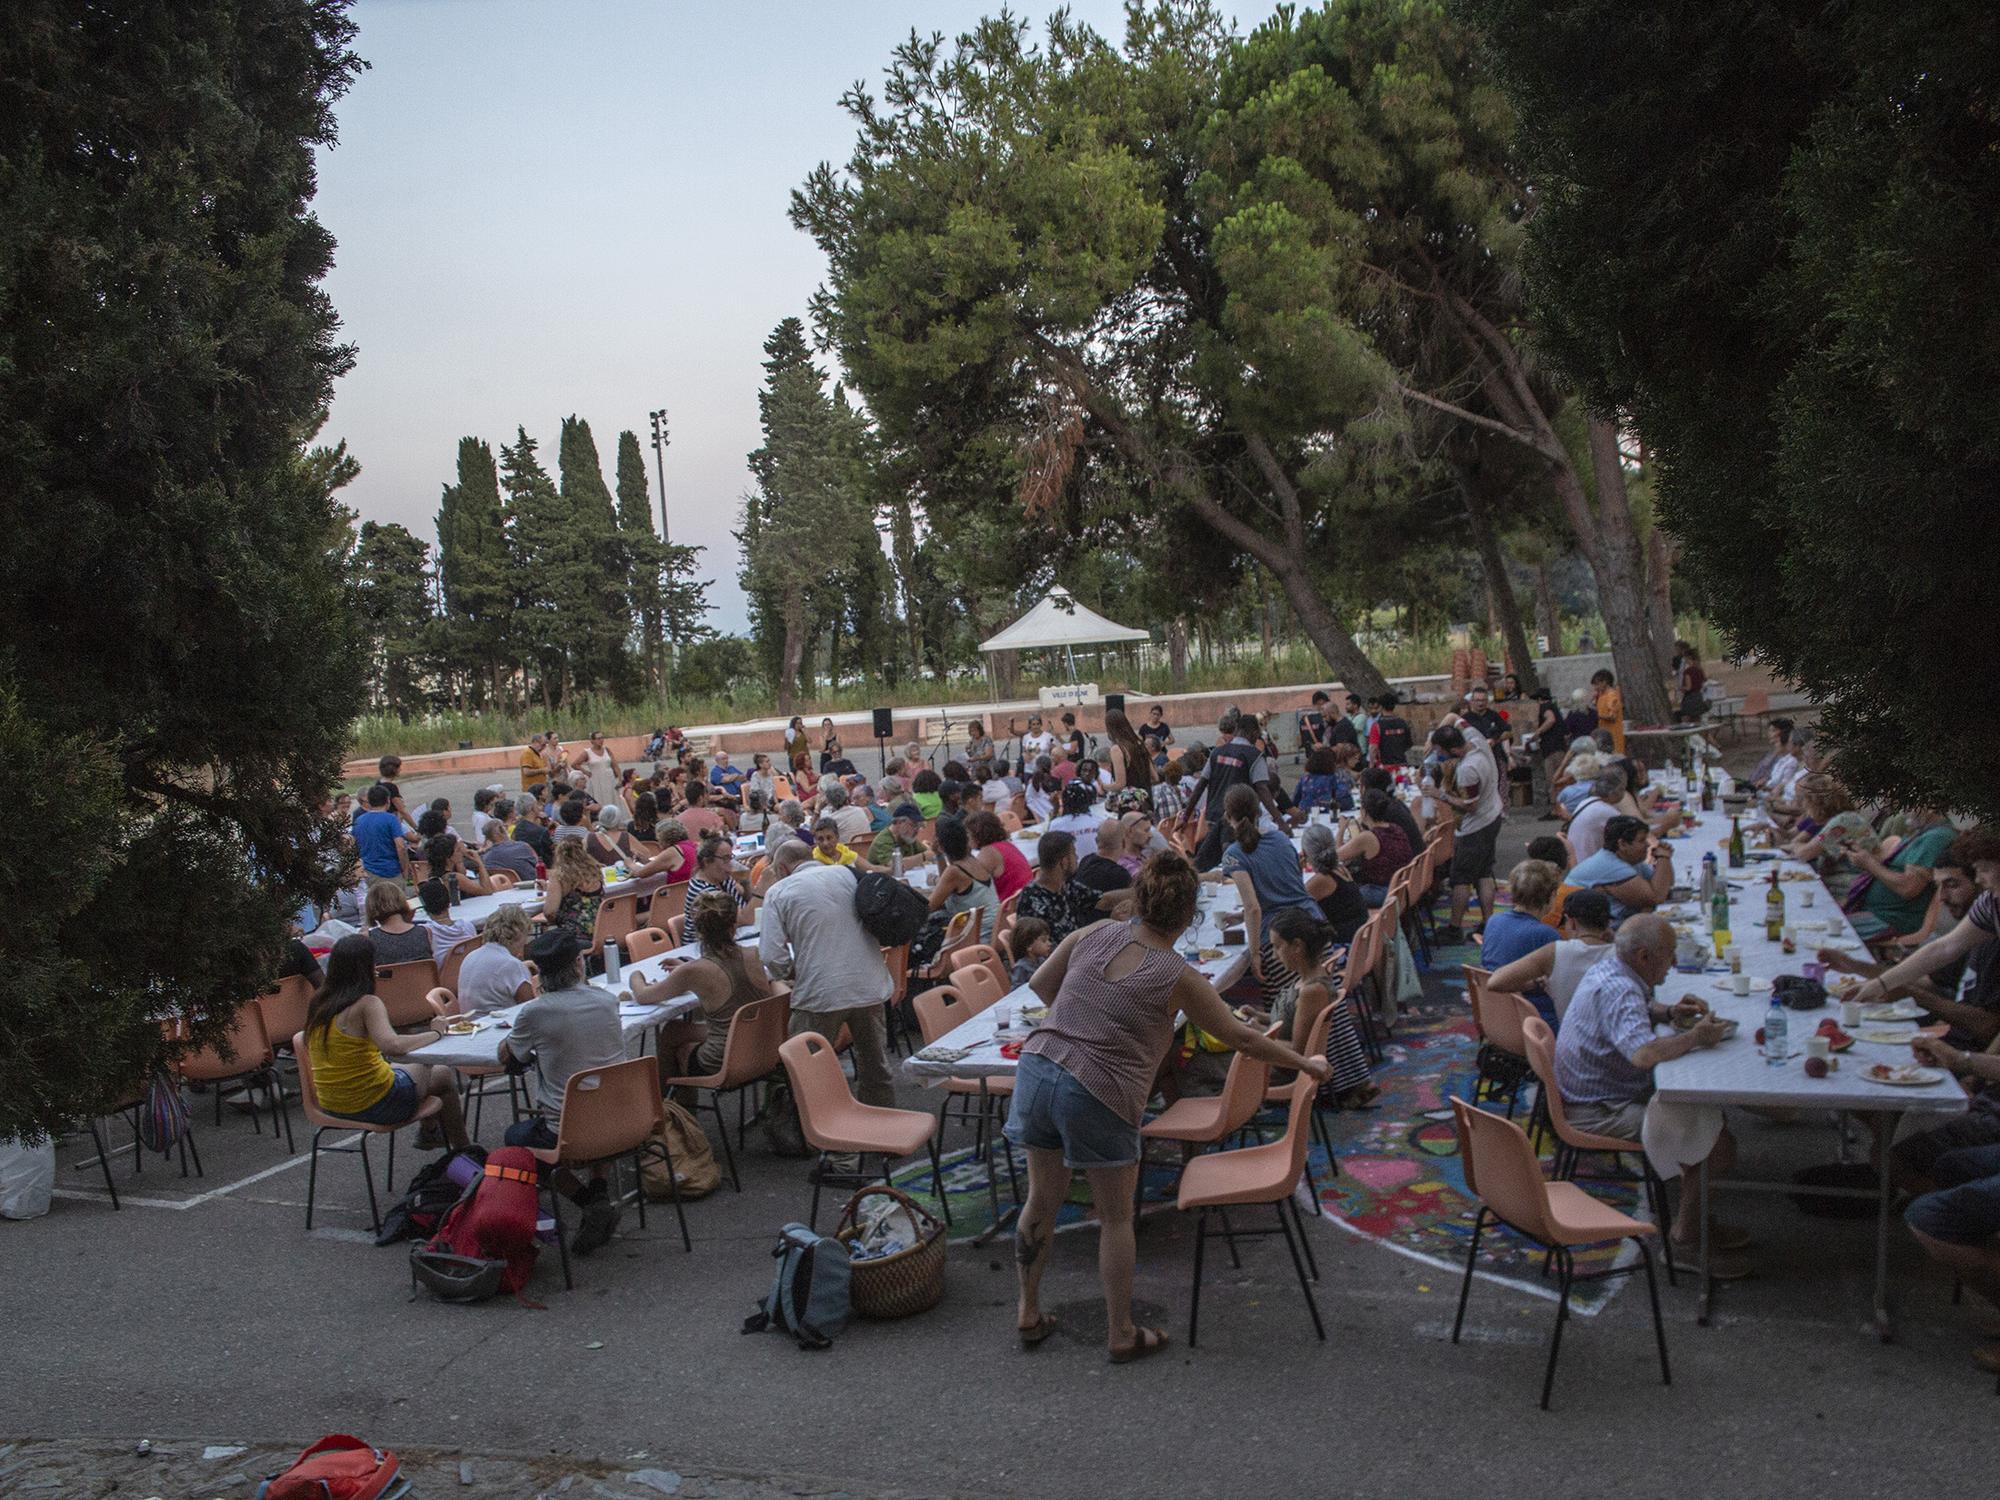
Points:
[[179, 671], [391, 568], [601, 616], [643, 554], [473, 571], [546, 565]]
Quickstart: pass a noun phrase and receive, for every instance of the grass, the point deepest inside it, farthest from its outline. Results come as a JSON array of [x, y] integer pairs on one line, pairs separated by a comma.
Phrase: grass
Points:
[[1238, 667]]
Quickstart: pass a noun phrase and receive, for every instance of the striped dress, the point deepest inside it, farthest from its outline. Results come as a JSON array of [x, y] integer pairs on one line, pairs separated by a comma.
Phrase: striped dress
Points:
[[1111, 1035]]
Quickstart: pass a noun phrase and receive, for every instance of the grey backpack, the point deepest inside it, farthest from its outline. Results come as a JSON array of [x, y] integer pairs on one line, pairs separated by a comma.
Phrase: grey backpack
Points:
[[808, 1297]]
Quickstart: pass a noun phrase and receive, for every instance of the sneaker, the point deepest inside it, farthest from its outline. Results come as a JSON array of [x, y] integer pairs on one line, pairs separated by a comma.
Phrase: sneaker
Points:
[[430, 1136], [600, 1218]]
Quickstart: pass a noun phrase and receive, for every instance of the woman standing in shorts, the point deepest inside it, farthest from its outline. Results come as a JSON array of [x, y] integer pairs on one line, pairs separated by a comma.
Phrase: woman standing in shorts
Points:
[[1113, 990]]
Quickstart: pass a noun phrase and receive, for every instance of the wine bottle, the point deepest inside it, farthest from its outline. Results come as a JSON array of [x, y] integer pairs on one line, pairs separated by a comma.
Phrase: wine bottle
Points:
[[1736, 856]]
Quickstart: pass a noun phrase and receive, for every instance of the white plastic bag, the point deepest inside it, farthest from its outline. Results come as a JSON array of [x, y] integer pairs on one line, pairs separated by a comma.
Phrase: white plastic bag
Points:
[[27, 1178]]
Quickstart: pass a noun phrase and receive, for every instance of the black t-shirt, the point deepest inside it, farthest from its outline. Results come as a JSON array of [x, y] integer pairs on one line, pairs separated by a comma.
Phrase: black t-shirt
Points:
[[1344, 910], [1393, 742], [1102, 875], [1490, 723], [537, 838], [1340, 731], [1312, 727], [299, 960], [1229, 765], [1978, 985]]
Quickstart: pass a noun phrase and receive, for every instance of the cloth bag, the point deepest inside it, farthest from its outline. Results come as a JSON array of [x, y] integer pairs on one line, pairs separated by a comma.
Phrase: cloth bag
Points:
[[686, 1143]]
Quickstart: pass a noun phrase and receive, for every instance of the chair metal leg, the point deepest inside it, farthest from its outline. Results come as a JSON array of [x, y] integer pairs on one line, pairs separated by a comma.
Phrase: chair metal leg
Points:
[[638, 1185], [282, 1109], [1471, 1256], [1299, 1223], [1653, 1292], [1298, 1266], [368, 1176], [389, 1184], [1194, 1298], [819, 1171], [674, 1194], [937, 1182], [312, 1176], [562, 1238], [1656, 1194], [104, 1161], [1229, 1234], [722, 1129], [1566, 1265]]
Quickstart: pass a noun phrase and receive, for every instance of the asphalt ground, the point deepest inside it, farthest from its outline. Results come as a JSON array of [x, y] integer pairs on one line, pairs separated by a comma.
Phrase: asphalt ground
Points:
[[205, 1309]]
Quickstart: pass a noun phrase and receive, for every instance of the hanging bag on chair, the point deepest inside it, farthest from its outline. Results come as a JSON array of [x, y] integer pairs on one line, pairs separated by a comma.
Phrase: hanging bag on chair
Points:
[[163, 1114]]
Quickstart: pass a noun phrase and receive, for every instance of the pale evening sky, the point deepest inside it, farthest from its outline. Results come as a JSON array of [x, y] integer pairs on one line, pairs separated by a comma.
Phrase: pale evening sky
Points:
[[550, 209]]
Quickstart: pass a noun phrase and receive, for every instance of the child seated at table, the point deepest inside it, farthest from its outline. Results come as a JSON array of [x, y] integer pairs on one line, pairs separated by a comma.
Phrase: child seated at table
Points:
[[1031, 943], [445, 934]]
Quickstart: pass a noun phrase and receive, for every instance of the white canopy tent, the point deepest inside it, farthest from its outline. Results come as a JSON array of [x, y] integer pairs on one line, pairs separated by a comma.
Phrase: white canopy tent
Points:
[[1058, 621]]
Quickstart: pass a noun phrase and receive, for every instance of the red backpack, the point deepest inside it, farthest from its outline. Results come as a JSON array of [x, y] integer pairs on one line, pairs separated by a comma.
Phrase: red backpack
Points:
[[338, 1468], [493, 1224]]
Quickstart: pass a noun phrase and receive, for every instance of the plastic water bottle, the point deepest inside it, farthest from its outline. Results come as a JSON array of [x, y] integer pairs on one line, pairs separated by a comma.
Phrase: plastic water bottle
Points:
[[611, 961], [1775, 1027], [896, 864], [1708, 877]]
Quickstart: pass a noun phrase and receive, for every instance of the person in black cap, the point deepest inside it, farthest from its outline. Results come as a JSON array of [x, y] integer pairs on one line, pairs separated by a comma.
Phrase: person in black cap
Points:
[[570, 1028]]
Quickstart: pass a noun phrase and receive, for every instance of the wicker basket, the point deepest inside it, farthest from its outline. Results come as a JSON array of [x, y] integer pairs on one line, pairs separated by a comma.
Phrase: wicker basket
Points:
[[900, 1285]]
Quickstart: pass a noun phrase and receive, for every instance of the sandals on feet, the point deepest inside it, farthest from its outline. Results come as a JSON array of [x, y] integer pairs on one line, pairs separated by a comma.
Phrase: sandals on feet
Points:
[[1031, 1337], [1149, 1341]]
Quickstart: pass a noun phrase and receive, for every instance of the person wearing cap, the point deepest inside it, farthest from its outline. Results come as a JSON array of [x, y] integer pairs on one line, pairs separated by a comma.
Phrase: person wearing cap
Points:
[[810, 935], [570, 1028], [900, 837]]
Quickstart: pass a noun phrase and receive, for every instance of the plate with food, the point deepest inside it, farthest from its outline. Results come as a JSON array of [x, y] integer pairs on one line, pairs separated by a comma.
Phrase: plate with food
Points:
[[461, 1028], [1901, 1010], [1210, 954], [1903, 1075]]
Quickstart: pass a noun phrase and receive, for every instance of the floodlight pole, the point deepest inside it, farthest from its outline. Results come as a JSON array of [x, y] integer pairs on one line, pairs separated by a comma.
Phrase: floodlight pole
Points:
[[660, 464]]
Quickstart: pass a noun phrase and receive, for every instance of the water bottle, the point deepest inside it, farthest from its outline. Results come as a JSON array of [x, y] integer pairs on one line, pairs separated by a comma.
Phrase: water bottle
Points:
[[1774, 1034], [1708, 877], [610, 961], [896, 864]]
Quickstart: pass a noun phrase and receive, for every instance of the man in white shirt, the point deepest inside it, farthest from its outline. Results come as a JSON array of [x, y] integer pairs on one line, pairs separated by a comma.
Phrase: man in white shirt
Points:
[[1586, 827], [811, 936], [1472, 786]]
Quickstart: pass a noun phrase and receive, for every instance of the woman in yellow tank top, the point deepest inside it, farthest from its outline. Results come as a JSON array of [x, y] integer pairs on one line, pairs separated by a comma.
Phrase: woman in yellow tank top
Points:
[[350, 1041]]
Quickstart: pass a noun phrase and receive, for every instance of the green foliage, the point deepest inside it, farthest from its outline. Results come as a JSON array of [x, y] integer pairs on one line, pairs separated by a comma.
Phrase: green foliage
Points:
[[391, 605], [1767, 233], [477, 593], [177, 676]]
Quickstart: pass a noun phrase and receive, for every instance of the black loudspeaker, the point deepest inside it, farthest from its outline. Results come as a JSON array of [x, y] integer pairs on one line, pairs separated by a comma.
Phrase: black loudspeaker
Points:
[[885, 723], [1114, 703]]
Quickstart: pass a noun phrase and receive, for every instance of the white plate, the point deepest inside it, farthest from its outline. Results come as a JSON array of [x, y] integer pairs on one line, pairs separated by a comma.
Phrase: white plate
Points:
[[1901, 1010], [1911, 1077]]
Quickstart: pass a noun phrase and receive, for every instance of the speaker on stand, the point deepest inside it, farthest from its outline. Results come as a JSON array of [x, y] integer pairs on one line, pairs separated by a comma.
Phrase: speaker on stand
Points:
[[1114, 703], [885, 727]]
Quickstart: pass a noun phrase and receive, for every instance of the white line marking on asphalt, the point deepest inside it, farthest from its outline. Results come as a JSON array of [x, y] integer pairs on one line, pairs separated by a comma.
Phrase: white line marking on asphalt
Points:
[[198, 1199]]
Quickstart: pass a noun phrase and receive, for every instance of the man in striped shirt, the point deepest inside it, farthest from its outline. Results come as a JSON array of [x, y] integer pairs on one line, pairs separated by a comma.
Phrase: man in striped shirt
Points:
[[1606, 1053]]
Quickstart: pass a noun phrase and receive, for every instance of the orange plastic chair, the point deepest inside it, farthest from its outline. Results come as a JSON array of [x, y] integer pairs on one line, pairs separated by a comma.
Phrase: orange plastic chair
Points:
[[973, 953], [983, 984], [1205, 1119], [749, 1056], [1269, 1173], [609, 1113], [322, 1122], [1279, 1094], [1503, 1173], [617, 919], [453, 957], [833, 1120], [676, 926], [1571, 1141], [245, 1056], [284, 1007], [1503, 1050], [1358, 977], [502, 880], [404, 990], [644, 942]]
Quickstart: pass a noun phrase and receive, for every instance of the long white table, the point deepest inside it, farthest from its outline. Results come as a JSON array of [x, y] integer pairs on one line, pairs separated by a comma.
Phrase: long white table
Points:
[[481, 1048], [1738, 1072], [477, 909], [976, 1035]]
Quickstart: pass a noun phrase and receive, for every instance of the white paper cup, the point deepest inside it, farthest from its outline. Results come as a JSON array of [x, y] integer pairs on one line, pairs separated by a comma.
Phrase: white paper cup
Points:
[[1734, 955], [1806, 896], [1819, 1046], [1740, 983], [1850, 1013]]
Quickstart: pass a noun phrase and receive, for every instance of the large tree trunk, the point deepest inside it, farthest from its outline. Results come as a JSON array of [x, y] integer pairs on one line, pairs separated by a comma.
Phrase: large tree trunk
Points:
[[1660, 553], [1264, 614], [1545, 606], [792, 654], [1177, 652], [1618, 564], [1499, 587]]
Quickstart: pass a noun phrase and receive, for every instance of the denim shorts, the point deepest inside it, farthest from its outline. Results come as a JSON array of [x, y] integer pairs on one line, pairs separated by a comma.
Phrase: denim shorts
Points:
[[1051, 1111], [1965, 1210], [393, 1108]]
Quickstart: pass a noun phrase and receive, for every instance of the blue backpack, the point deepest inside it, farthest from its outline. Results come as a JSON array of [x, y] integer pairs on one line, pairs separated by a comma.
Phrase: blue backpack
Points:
[[808, 1297]]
